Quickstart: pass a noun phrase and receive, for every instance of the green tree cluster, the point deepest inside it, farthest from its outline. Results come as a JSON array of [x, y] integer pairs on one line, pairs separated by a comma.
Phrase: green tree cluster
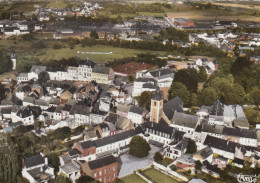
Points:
[[144, 100], [139, 147]]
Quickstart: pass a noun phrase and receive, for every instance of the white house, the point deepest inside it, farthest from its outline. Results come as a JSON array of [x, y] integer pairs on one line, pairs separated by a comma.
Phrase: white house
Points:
[[137, 114], [36, 169]]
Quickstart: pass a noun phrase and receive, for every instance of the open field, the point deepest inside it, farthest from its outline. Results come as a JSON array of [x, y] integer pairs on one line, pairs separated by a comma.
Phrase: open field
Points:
[[117, 53], [211, 15], [61, 4], [238, 5], [156, 176], [133, 178]]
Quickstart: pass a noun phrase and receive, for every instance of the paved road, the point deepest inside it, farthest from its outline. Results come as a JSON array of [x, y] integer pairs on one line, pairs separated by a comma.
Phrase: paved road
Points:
[[131, 163]]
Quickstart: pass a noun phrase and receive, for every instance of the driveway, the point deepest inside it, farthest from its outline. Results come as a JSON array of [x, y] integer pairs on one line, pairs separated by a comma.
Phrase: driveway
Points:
[[131, 163]]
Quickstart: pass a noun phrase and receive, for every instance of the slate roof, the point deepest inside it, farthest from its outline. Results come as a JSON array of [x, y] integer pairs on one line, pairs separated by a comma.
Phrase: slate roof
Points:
[[118, 137], [161, 72], [105, 161], [210, 167], [240, 132], [157, 95], [221, 144], [88, 62], [137, 110], [87, 144], [239, 161], [172, 105], [205, 152], [145, 80], [212, 129], [24, 112], [101, 69], [34, 161], [185, 120], [159, 127], [51, 109], [217, 109], [111, 117]]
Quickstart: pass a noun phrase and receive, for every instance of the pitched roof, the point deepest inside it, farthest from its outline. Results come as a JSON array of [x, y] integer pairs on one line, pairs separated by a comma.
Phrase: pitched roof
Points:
[[172, 105], [34, 161], [205, 152], [217, 109], [210, 167], [186, 120], [161, 72], [240, 132], [99, 163], [117, 137], [157, 95], [238, 161], [159, 127], [70, 167], [221, 144], [87, 144], [137, 110], [101, 69]]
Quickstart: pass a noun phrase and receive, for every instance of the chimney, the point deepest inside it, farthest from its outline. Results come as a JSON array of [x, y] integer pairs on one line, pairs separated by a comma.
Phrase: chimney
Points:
[[46, 161]]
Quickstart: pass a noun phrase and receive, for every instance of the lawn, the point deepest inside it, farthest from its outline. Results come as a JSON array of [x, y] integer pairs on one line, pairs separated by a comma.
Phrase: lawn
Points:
[[133, 178], [57, 4], [117, 53], [211, 15], [157, 176]]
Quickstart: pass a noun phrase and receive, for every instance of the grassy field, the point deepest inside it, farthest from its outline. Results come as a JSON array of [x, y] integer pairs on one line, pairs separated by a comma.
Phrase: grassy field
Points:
[[24, 49], [133, 178], [57, 4], [211, 15], [117, 53], [158, 177], [238, 5]]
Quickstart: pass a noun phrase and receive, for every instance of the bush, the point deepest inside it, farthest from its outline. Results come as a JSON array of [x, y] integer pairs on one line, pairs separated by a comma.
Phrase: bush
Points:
[[57, 46]]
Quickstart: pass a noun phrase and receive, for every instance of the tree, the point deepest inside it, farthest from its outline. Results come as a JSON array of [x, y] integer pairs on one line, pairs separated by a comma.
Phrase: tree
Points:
[[202, 74], [194, 100], [10, 166], [158, 157], [61, 179], [189, 77], [2, 92], [60, 133], [254, 96], [54, 161], [139, 147], [94, 34], [191, 147], [43, 78], [85, 179], [5, 63], [198, 165], [145, 100], [178, 89], [208, 96]]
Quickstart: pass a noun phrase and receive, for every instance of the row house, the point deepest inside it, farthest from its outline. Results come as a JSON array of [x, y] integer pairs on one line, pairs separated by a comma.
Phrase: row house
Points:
[[117, 143], [160, 134], [184, 122], [104, 169]]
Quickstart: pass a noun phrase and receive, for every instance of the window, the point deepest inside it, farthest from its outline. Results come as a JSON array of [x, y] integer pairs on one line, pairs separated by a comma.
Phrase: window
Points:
[[114, 168], [154, 102], [95, 174], [108, 178], [109, 170], [105, 171], [100, 172]]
